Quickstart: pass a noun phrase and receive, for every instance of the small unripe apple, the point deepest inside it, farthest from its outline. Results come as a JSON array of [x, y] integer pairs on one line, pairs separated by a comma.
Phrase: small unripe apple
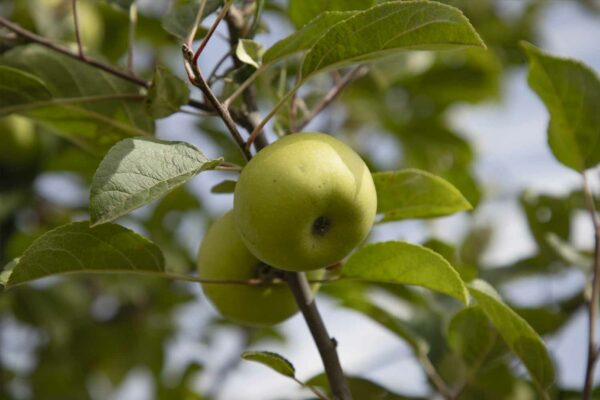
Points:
[[19, 143], [304, 202], [223, 256]]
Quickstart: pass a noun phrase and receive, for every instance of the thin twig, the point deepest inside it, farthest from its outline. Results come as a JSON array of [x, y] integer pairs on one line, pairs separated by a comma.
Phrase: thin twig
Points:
[[63, 50], [198, 80], [77, 32], [211, 30], [132, 24], [213, 73], [325, 344], [244, 85], [333, 94], [197, 20], [261, 124], [313, 389], [592, 356], [434, 377]]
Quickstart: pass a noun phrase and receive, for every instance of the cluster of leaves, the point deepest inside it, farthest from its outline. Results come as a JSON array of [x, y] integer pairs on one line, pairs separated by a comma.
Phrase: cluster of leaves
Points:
[[100, 128]]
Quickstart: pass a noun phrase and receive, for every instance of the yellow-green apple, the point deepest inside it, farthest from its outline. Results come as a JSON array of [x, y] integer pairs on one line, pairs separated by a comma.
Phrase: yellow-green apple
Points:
[[223, 256], [304, 202]]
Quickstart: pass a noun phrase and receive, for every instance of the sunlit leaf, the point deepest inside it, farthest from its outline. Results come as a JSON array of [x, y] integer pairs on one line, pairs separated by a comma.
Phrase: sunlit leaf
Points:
[[405, 263], [413, 193], [571, 92], [249, 52], [302, 12], [137, 171], [271, 360], [388, 28], [77, 247], [516, 332]]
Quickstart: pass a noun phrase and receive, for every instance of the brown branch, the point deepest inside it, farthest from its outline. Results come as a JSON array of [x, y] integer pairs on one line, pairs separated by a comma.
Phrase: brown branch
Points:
[[63, 50], [593, 351], [333, 94], [196, 78], [211, 31], [326, 345]]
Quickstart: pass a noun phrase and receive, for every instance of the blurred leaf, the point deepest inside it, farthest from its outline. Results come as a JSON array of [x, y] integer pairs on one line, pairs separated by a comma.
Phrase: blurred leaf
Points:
[[249, 52], [471, 336], [137, 171], [224, 187], [79, 248], [387, 28], [362, 388], [96, 125], [405, 263], [546, 214], [516, 332], [302, 12], [569, 253], [304, 39], [167, 93], [18, 87], [272, 360], [180, 19], [412, 193], [571, 92]]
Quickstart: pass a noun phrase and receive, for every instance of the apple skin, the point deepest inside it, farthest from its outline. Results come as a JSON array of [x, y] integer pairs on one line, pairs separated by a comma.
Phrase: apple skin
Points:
[[304, 202], [224, 256]]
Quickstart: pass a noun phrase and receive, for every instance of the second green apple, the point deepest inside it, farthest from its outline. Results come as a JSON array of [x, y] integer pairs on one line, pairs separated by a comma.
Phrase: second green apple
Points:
[[304, 202]]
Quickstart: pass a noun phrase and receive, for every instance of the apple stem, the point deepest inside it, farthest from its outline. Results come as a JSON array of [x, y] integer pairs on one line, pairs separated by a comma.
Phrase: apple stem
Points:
[[326, 345]]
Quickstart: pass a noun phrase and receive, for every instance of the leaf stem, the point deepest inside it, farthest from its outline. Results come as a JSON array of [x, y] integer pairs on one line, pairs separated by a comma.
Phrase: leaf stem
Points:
[[244, 85], [63, 50], [593, 351], [325, 344]]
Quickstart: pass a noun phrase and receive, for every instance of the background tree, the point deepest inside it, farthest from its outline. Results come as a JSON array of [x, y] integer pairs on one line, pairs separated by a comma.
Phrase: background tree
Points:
[[84, 84]]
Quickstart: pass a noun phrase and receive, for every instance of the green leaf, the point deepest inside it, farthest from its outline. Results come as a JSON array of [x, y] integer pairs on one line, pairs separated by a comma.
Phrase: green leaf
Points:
[[471, 336], [19, 87], [412, 193], [249, 52], [516, 332], [306, 37], [571, 92], [405, 263], [137, 171], [362, 389], [388, 28], [226, 186], [180, 19], [93, 125], [167, 93], [77, 247], [302, 12], [271, 360]]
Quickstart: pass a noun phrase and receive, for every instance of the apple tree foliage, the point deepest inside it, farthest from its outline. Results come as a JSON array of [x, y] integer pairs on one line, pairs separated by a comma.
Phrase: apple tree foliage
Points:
[[407, 63]]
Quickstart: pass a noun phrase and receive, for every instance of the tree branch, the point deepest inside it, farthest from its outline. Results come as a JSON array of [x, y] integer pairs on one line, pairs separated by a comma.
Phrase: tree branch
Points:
[[327, 346], [61, 49], [198, 80], [333, 94], [592, 356], [76, 27]]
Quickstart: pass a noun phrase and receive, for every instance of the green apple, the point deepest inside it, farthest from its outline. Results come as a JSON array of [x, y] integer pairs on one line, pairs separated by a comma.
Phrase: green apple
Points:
[[19, 143], [304, 202], [223, 256]]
